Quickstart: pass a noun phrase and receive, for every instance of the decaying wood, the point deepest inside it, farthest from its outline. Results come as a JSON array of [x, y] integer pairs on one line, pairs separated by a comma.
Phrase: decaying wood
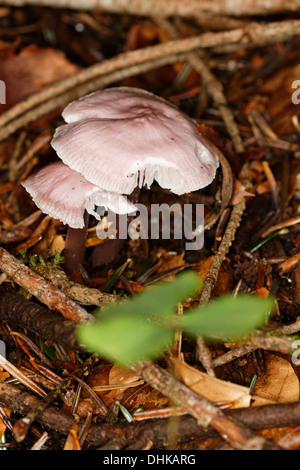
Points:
[[212, 275], [254, 34], [78, 292], [39, 288], [22, 426], [19, 311], [206, 414], [192, 8], [213, 86], [261, 417]]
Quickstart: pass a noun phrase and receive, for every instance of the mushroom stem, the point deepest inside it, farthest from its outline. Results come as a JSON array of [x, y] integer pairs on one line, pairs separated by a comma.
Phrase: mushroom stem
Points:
[[75, 246], [108, 251]]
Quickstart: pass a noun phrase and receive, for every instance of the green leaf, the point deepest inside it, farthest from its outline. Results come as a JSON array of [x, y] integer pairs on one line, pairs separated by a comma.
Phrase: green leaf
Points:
[[125, 333], [160, 299], [227, 318], [124, 338], [142, 327]]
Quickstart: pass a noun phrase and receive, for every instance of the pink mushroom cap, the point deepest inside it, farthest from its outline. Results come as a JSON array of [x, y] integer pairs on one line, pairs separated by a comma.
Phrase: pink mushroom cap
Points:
[[121, 138], [65, 194]]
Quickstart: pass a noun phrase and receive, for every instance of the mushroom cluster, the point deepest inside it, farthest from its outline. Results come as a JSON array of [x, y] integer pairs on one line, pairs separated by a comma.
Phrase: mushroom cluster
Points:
[[113, 142]]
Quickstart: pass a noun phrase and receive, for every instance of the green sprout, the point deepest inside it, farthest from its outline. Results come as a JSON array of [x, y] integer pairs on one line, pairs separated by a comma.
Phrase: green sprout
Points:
[[142, 327]]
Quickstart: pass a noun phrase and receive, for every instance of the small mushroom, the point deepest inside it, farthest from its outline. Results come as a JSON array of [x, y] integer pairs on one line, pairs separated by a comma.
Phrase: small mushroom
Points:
[[65, 195], [118, 140], [137, 136]]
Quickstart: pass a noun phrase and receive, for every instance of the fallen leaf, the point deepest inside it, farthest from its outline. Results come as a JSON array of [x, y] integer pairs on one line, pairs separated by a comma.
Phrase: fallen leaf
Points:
[[279, 384], [34, 67], [263, 292], [129, 392], [2, 424], [58, 243], [170, 261], [224, 283], [278, 89], [211, 388]]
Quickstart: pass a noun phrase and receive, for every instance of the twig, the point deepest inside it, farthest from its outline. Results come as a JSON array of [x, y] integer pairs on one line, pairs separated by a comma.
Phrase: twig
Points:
[[17, 310], [78, 292], [260, 417], [205, 412], [234, 354], [40, 442], [126, 64], [213, 86], [281, 344], [280, 225], [39, 288], [56, 101], [160, 8], [22, 425], [22, 378], [229, 235], [204, 357], [212, 276]]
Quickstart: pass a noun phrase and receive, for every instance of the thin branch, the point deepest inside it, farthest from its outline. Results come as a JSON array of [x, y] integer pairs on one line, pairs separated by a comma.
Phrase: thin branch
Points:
[[229, 235], [17, 310], [213, 86], [260, 417], [39, 288], [254, 34], [206, 414], [78, 292], [159, 8], [22, 426]]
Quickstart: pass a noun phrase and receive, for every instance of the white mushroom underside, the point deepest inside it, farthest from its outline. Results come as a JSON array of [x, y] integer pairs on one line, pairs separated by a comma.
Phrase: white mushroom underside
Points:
[[64, 194], [117, 154]]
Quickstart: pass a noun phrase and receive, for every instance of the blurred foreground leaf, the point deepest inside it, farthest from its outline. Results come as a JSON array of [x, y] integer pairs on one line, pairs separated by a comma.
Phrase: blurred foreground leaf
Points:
[[227, 318], [159, 300], [142, 327]]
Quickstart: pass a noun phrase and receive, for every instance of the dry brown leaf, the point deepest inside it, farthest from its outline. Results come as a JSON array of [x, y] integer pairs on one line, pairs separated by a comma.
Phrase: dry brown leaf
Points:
[[211, 388], [279, 384], [130, 391], [111, 376], [170, 261], [135, 286], [34, 68], [118, 375], [224, 283], [3, 375], [58, 243], [278, 89]]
